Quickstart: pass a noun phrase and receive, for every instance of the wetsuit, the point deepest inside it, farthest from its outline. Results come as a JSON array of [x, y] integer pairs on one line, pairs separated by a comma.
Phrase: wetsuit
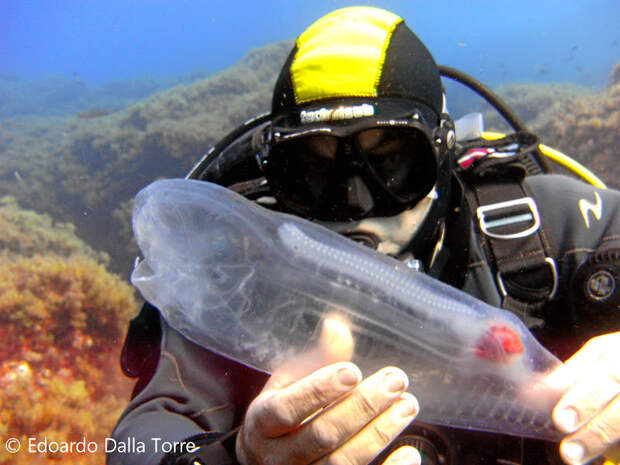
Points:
[[185, 392]]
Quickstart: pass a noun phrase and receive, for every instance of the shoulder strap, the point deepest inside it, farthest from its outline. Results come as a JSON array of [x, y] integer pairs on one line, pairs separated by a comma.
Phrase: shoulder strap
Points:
[[508, 224]]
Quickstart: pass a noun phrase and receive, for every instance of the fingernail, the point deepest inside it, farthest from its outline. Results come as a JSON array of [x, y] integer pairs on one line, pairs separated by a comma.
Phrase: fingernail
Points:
[[573, 451], [348, 376], [407, 405], [406, 455], [566, 419], [395, 381]]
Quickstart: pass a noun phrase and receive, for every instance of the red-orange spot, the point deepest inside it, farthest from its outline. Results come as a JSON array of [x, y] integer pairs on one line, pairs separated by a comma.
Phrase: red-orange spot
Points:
[[499, 344]]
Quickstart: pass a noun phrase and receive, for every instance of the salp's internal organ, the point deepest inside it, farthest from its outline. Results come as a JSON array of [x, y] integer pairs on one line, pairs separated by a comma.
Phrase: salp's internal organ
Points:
[[257, 286]]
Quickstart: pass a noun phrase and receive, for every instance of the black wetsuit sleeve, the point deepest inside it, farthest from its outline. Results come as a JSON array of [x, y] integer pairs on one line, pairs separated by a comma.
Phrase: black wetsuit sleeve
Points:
[[188, 394]]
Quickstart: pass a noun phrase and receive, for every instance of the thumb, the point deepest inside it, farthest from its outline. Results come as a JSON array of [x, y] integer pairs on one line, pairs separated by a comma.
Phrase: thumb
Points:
[[583, 364], [333, 343]]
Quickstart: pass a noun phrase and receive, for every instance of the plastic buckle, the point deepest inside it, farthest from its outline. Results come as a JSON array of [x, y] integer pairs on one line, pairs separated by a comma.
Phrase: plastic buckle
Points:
[[554, 274], [531, 215]]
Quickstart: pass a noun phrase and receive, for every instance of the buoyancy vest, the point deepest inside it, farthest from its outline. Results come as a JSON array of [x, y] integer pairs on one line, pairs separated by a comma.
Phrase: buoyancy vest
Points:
[[544, 246]]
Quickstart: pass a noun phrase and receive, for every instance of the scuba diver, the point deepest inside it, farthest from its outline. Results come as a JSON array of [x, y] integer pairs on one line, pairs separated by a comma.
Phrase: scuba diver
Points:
[[359, 140]]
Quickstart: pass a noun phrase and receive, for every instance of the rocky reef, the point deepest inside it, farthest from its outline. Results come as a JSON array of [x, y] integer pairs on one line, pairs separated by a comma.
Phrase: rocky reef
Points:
[[62, 320], [65, 95], [588, 128], [583, 123], [86, 170]]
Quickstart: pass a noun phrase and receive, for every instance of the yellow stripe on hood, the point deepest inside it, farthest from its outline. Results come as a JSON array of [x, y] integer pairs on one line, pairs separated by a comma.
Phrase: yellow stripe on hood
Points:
[[339, 56]]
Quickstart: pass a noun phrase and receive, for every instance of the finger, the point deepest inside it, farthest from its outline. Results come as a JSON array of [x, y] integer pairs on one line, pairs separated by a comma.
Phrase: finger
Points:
[[336, 341], [584, 401], [377, 435], [580, 364], [334, 344], [405, 455], [595, 437], [343, 420], [280, 411], [569, 374]]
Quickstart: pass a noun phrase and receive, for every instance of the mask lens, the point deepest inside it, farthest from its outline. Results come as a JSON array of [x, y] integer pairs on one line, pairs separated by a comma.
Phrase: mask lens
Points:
[[303, 166], [317, 174], [401, 159]]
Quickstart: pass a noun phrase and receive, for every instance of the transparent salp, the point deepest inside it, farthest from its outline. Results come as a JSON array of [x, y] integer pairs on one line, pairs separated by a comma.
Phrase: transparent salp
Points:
[[259, 286]]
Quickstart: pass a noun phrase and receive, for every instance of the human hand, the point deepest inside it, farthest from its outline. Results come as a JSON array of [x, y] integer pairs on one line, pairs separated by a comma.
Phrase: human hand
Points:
[[328, 415], [590, 409]]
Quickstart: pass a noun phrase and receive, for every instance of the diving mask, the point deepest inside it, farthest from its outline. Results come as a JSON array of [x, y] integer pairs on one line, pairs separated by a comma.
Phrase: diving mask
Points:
[[343, 173]]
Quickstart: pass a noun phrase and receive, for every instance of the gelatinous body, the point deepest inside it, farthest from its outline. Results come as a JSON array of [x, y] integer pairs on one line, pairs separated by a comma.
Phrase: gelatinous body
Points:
[[256, 286]]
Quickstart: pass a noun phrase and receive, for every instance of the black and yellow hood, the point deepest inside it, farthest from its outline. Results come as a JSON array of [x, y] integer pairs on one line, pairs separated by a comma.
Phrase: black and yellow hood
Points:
[[358, 54]]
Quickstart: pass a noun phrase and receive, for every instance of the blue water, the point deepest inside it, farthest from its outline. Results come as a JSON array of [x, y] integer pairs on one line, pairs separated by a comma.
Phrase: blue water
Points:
[[498, 42]]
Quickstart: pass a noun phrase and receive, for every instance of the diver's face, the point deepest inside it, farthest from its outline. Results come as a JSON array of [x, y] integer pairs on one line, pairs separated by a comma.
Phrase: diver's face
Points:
[[373, 172], [389, 235]]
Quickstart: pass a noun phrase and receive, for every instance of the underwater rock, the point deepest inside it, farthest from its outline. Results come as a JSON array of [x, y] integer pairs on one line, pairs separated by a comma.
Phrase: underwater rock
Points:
[[94, 165], [95, 113], [63, 317], [135, 120], [614, 76], [582, 123], [26, 233]]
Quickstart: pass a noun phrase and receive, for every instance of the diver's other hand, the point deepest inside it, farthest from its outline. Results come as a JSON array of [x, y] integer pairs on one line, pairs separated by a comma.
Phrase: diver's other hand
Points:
[[590, 410], [329, 417]]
